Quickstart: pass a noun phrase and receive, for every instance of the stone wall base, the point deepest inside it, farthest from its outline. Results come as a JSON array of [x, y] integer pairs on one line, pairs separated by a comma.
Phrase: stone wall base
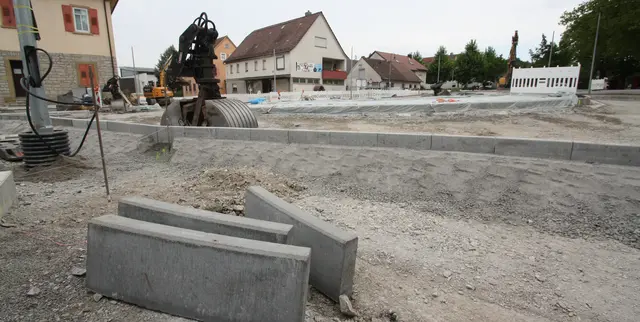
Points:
[[63, 77]]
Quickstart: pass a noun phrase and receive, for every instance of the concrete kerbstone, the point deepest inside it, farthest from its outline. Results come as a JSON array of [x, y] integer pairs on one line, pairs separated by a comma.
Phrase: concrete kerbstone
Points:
[[404, 140], [199, 132], [80, 123], [147, 130], [333, 251], [165, 213], [122, 127], [270, 135], [62, 121], [548, 149], [230, 133], [309, 137], [196, 275], [606, 153], [460, 143], [364, 139], [178, 131], [8, 193]]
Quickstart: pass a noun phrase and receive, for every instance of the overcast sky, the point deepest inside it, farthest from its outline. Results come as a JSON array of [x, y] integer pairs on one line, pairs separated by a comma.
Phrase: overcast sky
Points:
[[398, 26]]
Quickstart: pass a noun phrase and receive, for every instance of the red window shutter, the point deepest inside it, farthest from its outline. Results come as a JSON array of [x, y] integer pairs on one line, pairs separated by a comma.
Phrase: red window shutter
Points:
[[67, 17], [8, 16], [93, 21]]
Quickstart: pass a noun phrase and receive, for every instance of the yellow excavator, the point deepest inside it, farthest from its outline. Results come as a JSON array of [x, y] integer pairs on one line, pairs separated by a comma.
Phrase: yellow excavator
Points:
[[159, 92]]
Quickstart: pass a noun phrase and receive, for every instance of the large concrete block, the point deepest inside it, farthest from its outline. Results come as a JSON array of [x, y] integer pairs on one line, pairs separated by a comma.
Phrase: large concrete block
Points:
[[354, 138], [476, 144], [122, 127], [230, 133], [606, 153], [199, 132], [8, 193], [405, 141], [209, 222], [548, 149], [309, 137], [333, 251], [270, 135], [194, 274]]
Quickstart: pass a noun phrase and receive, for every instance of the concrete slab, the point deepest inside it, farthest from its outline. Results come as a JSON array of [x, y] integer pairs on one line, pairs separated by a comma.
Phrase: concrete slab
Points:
[[333, 251], [270, 135], [459, 143], [194, 274], [405, 141], [199, 132], [364, 139], [309, 137], [165, 213], [606, 153], [548, 149], [8, 193], [229, 133]]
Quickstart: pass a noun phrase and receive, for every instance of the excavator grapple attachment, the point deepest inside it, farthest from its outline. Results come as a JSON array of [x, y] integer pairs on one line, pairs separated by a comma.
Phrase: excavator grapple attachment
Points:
[[216, 113]]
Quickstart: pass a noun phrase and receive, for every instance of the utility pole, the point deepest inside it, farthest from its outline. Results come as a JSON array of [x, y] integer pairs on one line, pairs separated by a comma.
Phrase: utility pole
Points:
[[593, 59], [135, 73], [351, 73], [439, 58], [27, 37], [275, 65], [389, 83], [551, 50]]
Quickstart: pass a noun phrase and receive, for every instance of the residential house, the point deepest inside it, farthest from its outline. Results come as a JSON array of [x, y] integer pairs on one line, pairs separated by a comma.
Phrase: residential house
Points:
[[410, 63], [299, 53], [223, 48], [429, 60], [76, 34], [373, 73]]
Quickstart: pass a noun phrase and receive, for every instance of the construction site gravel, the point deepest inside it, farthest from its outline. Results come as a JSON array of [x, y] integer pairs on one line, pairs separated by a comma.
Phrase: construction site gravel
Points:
[[443, 236]]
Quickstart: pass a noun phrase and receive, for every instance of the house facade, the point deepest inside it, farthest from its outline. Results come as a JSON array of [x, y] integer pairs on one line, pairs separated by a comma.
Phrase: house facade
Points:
[[299, 54], [76, 34], [416, 67], [373, 73], [223, 48]]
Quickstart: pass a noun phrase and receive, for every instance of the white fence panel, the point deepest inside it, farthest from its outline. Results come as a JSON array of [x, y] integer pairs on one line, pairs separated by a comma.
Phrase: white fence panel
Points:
[[597, 84], [545, 80]]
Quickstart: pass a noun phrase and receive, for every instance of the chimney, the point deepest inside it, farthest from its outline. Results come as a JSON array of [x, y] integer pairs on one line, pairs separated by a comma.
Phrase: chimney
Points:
[[308, 13]]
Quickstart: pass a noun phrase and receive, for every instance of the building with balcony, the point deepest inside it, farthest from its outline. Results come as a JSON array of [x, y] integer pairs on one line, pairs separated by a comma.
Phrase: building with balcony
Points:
[[299, 54], [77, 35]]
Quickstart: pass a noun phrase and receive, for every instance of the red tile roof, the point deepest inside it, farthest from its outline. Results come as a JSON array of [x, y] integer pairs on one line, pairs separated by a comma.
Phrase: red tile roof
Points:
[[411, 63], [282, 37], [429, 60], [395, 71]]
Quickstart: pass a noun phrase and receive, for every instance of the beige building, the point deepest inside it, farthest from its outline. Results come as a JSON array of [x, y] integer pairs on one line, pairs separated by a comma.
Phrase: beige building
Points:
[[375, 73], [409, 63], [300, 53], [223, 48], [76, 34]]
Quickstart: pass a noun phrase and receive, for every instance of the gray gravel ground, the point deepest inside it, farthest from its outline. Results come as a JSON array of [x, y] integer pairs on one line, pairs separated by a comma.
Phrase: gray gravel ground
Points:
[[443, 236]]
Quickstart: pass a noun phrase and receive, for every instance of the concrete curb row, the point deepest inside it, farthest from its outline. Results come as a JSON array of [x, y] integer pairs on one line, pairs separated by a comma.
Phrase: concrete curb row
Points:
[[618, 154]]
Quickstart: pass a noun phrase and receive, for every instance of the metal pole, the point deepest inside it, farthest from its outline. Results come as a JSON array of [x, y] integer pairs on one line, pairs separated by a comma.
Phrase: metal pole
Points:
[[275, 66], [96, 108], [135, 74], [439, 58], [26, 36], [593, 59], [351, 72], [389, 82], [551, 50]]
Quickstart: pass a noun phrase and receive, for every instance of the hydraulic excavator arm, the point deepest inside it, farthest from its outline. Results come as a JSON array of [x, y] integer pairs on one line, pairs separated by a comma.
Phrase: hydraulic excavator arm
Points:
[[163, 72]]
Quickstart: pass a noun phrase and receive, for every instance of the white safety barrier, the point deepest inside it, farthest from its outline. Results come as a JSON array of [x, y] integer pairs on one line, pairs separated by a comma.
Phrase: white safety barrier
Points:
[[324, 95], [545, 80]]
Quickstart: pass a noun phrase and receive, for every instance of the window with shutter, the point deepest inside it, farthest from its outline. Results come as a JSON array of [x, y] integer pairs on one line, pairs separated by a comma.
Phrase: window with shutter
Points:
[[8, 16]]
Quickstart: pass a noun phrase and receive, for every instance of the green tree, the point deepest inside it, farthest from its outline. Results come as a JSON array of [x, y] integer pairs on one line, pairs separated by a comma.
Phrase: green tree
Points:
[[618, 51], [417, 56], [441, 59], [469, 66], [560, 56], [174, 83], [494, 66]]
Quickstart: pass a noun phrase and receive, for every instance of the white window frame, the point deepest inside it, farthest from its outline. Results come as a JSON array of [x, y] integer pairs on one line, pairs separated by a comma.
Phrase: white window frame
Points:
[[246, 67], [320, 42], [223, 56], [280, 62], [264, 64], [83, 12], [255, 65]]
